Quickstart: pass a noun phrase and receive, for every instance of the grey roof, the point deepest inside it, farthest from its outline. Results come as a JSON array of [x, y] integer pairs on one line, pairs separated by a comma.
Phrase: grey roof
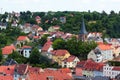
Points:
[[9, 62], [101, 78], [83, 28]]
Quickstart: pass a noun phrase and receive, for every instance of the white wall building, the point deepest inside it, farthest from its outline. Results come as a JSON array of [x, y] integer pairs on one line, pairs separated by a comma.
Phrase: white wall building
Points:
[[106, 52], [111, 71], [70, 62]]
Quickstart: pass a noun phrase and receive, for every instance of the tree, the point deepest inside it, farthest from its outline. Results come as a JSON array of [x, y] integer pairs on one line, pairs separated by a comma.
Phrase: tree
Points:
[[17, 57], [75, 46], [59, 44], [36, 59], [43, 40], [35, 56]]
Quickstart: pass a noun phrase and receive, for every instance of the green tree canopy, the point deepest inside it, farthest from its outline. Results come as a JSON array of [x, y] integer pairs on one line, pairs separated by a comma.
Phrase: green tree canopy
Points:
[[17, 57], [35, 56]]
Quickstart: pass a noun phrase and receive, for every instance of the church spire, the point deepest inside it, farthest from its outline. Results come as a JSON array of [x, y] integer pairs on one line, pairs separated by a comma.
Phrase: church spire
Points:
[[83, 32], [83, 28]]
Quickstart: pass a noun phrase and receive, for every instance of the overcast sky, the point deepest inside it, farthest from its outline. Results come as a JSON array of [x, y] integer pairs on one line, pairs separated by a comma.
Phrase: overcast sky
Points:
[[59, 5]]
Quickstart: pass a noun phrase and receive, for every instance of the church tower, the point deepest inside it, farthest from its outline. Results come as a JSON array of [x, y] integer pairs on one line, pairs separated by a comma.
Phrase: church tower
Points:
[[83, 33]]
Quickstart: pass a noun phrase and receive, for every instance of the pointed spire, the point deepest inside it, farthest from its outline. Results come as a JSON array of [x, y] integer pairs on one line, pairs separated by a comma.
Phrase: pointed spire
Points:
[[83, 28]]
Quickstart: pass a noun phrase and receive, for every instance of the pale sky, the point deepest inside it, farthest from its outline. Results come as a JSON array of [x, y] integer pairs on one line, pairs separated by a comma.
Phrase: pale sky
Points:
[[59, 5]]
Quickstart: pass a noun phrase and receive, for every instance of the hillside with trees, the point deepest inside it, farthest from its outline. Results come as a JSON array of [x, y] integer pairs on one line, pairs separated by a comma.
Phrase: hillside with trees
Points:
[[108, 24]]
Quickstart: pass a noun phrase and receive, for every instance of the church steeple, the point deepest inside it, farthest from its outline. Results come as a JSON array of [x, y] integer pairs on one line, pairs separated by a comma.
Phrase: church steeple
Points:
[[83, 28], [83, 32]]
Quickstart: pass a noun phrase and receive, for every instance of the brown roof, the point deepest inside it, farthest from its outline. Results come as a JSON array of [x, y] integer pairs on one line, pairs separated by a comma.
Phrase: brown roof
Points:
[[117, 58], [22, 69]]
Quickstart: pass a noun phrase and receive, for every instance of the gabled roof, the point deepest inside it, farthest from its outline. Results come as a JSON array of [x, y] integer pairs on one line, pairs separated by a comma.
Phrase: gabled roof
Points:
[[90, 65], [104, 46], [66, 70], [46, 46], [21, 38], [2, 77], [83, 28], [21, 69], [59, 52], [10, 62], [8, 70], [26, 47], [70, 58], [50, 74], [8, 49]]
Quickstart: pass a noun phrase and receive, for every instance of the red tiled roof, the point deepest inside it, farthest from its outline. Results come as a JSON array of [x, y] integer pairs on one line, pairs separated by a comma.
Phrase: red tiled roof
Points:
[[34, 69], [8, 49], [35, 37], [46, 46], [21, 38], [104, 46], [55, 74], [70, 59], [2, 77], [26, 47], [116, 68], [8, 70], [90, 65], [59, 52], [66, 70]]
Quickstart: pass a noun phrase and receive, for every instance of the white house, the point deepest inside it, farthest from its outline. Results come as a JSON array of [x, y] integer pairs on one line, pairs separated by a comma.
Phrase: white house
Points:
[[106, 52], [95, 55], [26, 51], [111, 71], [70, 62]]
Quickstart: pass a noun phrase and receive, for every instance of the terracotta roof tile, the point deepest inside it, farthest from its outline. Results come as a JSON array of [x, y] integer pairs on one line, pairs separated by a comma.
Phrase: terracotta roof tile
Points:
[[46, 46], [59, 52], [8, 49], [90, 65], [55, 74], [6, 77], [70, 59], [26, 47], [8, 70], [104, 46], [21, 38]]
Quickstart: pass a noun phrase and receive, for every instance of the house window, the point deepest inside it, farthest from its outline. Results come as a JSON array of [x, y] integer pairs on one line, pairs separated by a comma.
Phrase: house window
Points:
[[29, 51]]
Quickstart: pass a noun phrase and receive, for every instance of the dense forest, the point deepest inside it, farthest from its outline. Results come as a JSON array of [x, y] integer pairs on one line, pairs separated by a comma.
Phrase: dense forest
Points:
[[108, 24]]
